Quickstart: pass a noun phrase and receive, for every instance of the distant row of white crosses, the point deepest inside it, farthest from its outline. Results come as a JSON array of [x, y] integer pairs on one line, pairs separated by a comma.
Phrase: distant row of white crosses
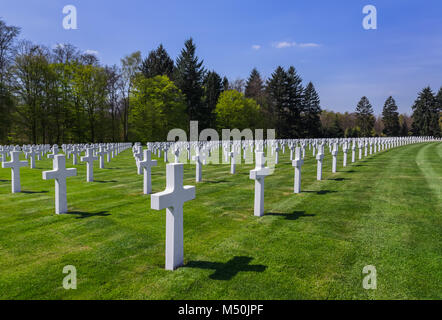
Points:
[[59, 172], [175, 195]]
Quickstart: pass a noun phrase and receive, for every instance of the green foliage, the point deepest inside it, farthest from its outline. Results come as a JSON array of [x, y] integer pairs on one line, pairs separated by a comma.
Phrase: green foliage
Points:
[[285, 92], [311, 112], [6, 110], [426, 114], [255, 87], [212, 90], [390, 118], [7, 38], [157, 106], [234, 110], [188, 77], [365, 118], [158, 63], [89, 84]]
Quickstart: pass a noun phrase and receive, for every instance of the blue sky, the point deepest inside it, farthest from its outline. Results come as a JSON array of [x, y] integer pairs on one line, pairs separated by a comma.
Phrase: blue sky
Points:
[[323, 39]]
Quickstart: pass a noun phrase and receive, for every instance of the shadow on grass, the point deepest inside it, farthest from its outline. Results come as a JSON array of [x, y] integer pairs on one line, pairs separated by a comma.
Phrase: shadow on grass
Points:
[[32, 192], [339, 179], [101, 181], [226, 271], [5, 180], [320, 192], [82, 214], [295, 215], [215, 181]]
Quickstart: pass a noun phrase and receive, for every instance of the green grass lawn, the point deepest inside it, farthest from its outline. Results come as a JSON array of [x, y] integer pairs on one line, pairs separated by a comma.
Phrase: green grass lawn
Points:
[[384, 210]]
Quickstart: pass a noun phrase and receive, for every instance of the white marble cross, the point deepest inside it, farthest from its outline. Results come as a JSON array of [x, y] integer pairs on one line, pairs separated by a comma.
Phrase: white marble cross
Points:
[[232, 155], [54, 152], [297, 163], [3, 154], [60, 173], [101, 153], [32, 155], [75, 153], [172, 199], [277, 154], [345, 150], [198, 166], [15, 164], [89, 159], [320, 158], [335, 157], [147, 164], [353, 152], [176, 152], [292, 148], [258, 174], [138, 156]]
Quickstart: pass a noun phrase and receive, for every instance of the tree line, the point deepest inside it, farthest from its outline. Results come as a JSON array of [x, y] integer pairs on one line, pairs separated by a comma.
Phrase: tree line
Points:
[[62, 95]]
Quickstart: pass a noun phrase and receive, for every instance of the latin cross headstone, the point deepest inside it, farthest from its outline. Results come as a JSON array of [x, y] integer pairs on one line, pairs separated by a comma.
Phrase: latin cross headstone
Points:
[[335, 157], [147, 163], [297, 163], [176, 153], [172, 199], [319, 158], [232, 161], [277, 154], [353, 152], [54, 152], [345, 150], [258, 174], [198, 166], [32, 155], [15, 164], [101, 153], [60, 173], [89, 159]]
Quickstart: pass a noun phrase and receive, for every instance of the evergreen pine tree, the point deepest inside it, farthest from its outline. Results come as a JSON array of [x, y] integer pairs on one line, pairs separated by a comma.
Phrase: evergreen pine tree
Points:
[[212, 89], [277, 93], [294, 103], [225, 84], [254, 86], [157, 63], [390, 118], [188, 77], [364, 116], [439, 109], [312, 111], [426, 114]]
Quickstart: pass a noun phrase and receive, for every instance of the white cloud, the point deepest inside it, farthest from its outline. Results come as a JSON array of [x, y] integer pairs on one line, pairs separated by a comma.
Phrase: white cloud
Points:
[[309, 45], [256, 47], [92, 52], [286, 44]]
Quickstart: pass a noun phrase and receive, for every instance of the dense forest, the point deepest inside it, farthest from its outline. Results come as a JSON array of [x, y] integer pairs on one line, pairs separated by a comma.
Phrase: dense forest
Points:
[[63, 95]]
